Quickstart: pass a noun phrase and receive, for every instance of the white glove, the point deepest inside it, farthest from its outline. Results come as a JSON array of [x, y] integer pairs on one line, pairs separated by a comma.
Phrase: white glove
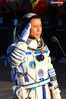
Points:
[[58, 93], [20, 93], [25, 33]]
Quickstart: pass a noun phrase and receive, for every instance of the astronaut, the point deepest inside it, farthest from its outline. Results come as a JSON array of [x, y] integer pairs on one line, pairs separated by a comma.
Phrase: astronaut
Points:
[[32, 72]]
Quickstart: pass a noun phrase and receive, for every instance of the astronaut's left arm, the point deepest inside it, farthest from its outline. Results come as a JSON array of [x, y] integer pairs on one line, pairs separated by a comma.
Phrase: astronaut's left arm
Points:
[[53, 80]]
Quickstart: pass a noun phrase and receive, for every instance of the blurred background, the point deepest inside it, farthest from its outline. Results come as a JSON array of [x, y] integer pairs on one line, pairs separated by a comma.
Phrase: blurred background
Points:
[[53, 14]]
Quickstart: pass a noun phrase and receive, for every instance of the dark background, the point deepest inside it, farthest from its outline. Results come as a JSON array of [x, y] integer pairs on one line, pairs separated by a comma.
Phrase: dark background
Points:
[[54, 24]]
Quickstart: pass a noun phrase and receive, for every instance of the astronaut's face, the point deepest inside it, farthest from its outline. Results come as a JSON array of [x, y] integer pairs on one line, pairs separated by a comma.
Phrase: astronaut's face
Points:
[[36, 28]]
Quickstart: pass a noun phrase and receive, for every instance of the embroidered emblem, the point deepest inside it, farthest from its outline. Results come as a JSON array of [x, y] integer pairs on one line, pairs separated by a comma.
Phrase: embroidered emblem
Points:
[[32, 64], [40, 73]]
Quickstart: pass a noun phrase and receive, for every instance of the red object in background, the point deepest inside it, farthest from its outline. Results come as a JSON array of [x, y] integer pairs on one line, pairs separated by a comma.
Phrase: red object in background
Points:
[[1, 10], [59, 13], [17, 7], [2, 1], [27, 8], [41, 7], [61, 1]]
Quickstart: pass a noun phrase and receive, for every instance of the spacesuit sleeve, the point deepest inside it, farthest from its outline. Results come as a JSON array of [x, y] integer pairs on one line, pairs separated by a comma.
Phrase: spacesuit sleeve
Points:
[[52, 73], [53, 78], [16, 56], [16, 53]]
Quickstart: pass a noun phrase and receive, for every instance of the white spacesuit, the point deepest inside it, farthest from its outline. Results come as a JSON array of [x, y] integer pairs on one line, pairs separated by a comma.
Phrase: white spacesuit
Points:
[[31, 70]]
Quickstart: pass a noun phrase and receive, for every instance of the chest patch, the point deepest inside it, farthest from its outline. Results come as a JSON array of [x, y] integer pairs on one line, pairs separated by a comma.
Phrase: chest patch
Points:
[[32, 64], [40, 72]]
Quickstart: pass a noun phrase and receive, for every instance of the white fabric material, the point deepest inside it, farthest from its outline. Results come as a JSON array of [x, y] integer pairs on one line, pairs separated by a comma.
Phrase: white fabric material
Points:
[[58, 93], [25, 33], [16, 53], [20, 92], [32, 43], [28, 15], [40, 71]]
